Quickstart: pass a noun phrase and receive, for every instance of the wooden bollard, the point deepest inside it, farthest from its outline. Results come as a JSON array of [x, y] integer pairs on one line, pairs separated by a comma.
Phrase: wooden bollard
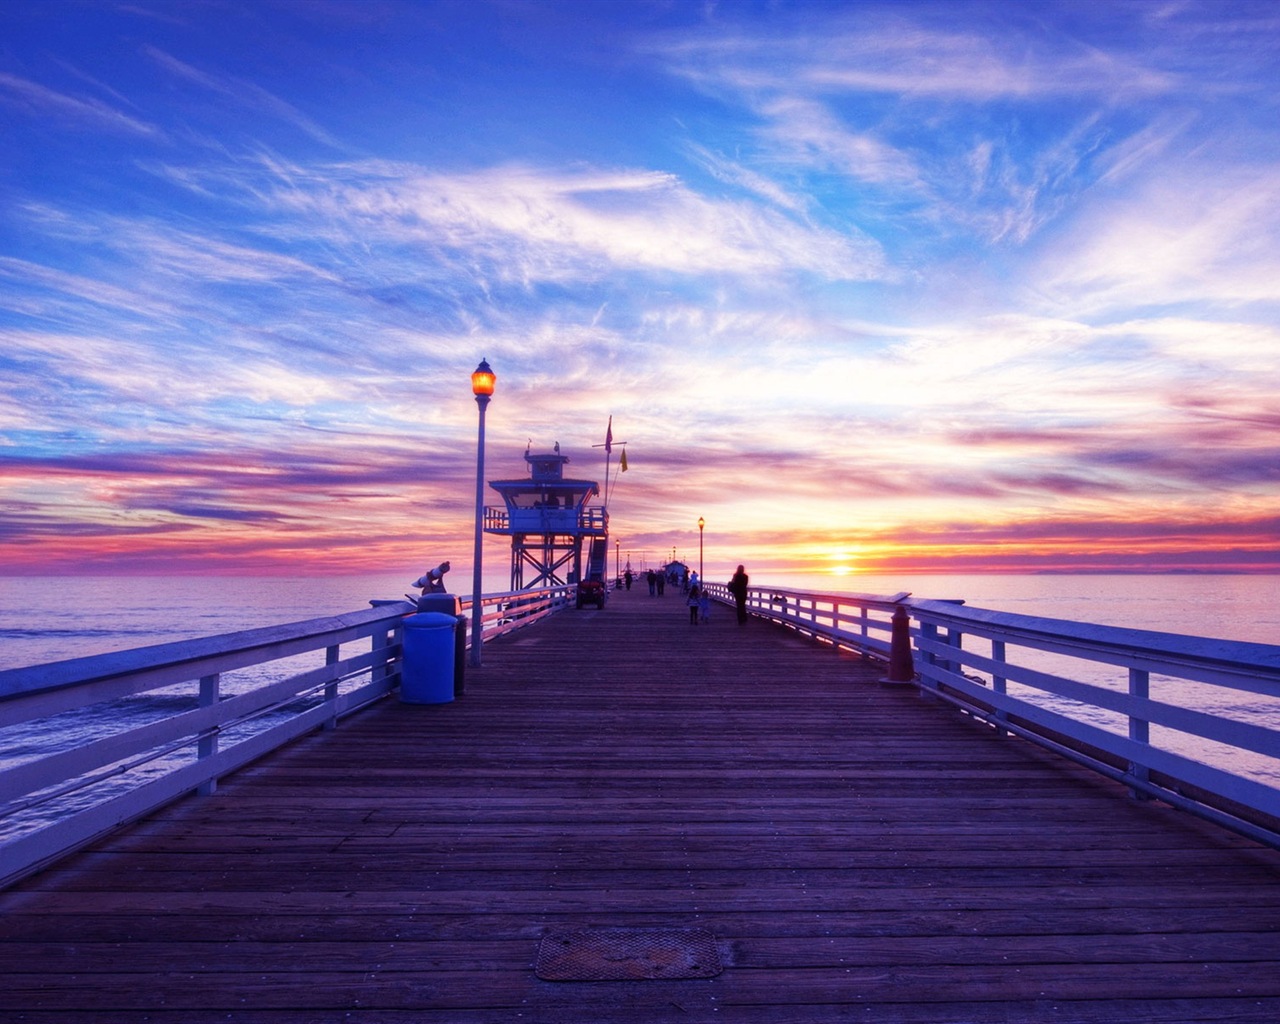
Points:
[[902, 669]]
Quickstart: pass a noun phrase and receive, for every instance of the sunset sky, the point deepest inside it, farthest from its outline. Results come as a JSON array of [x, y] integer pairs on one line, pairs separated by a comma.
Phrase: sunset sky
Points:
[[886, 287]]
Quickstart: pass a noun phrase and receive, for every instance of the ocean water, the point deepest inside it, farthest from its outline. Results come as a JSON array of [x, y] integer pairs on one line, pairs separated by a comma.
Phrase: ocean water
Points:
[[52, 618], [1227, 607]]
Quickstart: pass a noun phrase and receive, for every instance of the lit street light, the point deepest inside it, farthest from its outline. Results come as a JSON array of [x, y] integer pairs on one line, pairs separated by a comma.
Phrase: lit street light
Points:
[[482, 382], [701, 523]]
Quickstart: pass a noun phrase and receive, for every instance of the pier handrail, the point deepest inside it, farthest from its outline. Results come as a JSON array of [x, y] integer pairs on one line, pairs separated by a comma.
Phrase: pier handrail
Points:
[[149, 725], [1137, 728], [847, 621]]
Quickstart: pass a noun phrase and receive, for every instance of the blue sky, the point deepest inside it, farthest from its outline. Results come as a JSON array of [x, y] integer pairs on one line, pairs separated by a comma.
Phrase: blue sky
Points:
[[885, 286]]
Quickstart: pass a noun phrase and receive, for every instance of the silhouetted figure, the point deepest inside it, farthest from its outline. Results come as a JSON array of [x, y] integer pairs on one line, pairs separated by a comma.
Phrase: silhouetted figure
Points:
[[738, 588]]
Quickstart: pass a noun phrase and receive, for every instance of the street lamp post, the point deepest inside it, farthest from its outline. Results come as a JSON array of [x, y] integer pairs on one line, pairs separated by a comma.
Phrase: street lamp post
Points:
[[701, 523], [482, 382]]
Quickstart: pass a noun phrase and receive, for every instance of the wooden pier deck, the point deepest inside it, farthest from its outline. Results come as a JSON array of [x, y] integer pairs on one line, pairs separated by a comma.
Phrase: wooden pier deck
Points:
[[856, 853]]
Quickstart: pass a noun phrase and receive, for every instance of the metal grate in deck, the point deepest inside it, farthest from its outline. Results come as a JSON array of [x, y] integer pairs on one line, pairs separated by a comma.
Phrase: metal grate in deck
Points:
[[628, 954]]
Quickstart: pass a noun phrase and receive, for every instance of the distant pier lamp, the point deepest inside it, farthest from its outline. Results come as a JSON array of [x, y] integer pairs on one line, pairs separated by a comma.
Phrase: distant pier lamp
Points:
[[482, 383], [701, 524]]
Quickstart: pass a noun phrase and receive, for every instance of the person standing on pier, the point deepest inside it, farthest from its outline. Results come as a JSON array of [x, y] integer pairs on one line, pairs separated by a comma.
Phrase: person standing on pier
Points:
[[738, 588], [692, 602]]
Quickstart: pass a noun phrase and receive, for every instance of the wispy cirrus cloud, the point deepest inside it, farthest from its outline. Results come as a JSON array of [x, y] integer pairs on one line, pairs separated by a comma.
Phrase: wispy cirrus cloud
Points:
[[532, 224], [903, 59], [887, 100], [734, 173], [1192, 236], [85, 112], [887, 53], [244, 93], [802, 131]]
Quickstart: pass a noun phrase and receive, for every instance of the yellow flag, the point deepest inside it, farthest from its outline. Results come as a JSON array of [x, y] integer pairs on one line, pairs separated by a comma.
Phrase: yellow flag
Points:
[[624, 460]]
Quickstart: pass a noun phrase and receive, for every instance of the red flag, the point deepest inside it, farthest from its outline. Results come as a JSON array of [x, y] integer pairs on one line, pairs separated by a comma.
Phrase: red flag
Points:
[[608, 437]]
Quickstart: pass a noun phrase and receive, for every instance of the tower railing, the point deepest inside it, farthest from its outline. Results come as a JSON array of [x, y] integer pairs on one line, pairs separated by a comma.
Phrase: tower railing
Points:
[[589, 521]]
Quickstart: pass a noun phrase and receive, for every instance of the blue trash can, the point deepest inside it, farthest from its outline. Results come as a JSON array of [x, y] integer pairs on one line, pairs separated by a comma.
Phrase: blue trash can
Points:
[[450, 604], [427, 673]]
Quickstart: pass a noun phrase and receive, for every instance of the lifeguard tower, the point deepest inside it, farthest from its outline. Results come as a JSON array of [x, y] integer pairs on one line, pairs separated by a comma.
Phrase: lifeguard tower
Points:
[[548, 519]]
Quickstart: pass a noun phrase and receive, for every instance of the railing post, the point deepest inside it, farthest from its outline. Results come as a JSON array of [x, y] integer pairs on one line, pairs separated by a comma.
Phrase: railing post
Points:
[[331, 688], [998, 683], [928, 636], [955, 639], [207, 742], [901, 667], [1139, 728], [386, 669], [377, 642]]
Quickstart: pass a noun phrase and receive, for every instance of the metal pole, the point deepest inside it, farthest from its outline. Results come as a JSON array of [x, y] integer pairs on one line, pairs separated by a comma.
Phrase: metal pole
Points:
[[701, 523], [477, 603]]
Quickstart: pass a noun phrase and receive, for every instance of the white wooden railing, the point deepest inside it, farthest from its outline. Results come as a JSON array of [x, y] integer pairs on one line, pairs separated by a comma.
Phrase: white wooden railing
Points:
[[1190, 720], [90, 743], [858, 622]]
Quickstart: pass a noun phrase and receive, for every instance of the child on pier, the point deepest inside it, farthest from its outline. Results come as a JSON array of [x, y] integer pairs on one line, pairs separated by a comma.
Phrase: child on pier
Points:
[[704, 607], [693, 606]]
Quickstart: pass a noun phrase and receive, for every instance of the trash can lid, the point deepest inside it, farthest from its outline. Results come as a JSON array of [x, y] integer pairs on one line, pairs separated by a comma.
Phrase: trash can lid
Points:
[[430, 620], [450, 604]]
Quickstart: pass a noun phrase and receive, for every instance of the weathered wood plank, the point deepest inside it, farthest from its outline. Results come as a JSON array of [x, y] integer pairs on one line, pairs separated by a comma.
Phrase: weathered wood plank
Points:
[[669, 1011], [764, 952], [369, 986]]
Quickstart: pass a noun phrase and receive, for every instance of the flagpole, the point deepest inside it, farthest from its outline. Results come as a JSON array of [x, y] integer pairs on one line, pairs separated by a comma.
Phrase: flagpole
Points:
[[608, 460], [608, 449]]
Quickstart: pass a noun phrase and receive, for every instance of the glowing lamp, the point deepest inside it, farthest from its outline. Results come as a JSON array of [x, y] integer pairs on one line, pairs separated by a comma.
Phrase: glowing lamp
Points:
[[483, 380]]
